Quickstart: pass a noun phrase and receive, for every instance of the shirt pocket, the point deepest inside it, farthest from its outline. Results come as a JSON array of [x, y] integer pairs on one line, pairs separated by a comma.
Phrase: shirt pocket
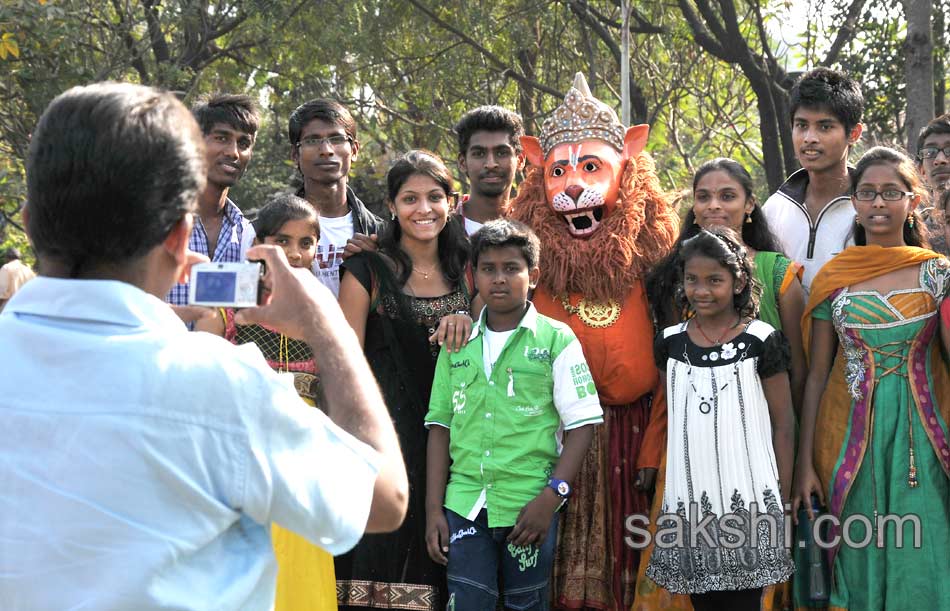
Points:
[[532, 388]]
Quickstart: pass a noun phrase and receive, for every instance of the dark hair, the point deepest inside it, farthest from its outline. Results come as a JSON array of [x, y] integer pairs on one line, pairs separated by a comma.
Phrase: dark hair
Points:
[[237, 110], [907, 172], [827, 89], [722, 245], [661, 282], [489, 119], [756, 233], [452, 243], [112, 168], [937, 125], [280, 209], [324, 109], [507, 232]]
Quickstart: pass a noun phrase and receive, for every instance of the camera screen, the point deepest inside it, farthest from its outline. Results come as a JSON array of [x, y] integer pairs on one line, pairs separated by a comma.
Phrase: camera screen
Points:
[[215, 286]]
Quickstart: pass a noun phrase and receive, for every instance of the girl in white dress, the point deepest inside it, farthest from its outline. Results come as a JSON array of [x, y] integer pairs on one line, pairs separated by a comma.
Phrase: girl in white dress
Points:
[[721, 535]]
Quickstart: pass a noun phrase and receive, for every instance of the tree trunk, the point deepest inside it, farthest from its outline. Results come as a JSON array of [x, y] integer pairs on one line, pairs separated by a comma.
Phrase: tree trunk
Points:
[[769, 130], [940, 61], [625, 64], [780, 101], [918, 68], [527, 61]]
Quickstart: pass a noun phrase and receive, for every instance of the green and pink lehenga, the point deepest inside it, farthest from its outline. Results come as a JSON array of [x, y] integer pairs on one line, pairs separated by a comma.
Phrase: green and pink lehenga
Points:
[[881, 439]]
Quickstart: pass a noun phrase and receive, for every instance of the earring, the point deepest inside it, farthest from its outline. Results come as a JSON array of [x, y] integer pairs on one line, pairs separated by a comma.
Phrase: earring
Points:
[[748, 218], [910, 220], [857, 221], [392, 216]]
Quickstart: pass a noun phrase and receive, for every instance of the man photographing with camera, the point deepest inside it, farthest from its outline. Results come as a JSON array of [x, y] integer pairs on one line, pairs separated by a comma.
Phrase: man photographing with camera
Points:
[[142, 465]]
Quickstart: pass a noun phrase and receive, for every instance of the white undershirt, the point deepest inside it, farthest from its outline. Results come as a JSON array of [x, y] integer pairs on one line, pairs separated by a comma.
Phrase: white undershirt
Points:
[[472, 226], [493, 342]]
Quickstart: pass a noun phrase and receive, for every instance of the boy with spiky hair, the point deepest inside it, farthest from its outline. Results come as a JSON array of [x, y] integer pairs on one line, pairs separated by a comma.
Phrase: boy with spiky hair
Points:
[[811, 212]]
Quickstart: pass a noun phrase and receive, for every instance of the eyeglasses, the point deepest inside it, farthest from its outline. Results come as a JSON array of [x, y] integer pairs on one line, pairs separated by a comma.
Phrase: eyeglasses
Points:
[[336, 141], [930, 152], [891, 195]]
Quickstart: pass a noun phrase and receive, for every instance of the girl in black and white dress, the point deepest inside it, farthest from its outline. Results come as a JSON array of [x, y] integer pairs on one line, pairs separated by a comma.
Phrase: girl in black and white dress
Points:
[[731, 430]]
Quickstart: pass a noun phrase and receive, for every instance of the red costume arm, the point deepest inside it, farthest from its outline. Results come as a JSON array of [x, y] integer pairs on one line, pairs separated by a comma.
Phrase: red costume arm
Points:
[[654, 439]]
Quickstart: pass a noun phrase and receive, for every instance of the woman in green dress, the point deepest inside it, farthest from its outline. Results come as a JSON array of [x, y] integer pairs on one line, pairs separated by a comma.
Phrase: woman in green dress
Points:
[[874, 438]]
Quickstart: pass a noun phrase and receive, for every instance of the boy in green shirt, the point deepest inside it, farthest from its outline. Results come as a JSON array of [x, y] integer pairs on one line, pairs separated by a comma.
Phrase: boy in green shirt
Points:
[[498, 409]]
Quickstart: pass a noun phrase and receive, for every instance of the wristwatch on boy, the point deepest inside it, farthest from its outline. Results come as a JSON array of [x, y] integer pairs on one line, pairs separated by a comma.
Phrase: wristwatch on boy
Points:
[[562, 489]]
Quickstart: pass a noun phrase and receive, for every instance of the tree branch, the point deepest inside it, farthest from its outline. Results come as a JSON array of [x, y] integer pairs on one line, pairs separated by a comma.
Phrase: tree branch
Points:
[[137, 63], [156, 36], [503, 67], [702, 35], [643, 26], [845, 33], [711, 19]]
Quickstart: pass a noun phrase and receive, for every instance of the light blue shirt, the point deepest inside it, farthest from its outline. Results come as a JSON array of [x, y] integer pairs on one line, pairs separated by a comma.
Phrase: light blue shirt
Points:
[[141, 465]]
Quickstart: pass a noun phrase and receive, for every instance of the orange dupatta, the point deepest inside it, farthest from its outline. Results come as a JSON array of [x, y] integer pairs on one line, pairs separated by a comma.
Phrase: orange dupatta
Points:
[[857, 264]]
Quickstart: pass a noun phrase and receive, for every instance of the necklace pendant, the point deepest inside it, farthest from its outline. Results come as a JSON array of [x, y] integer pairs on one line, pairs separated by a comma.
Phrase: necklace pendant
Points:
[[593, 314]]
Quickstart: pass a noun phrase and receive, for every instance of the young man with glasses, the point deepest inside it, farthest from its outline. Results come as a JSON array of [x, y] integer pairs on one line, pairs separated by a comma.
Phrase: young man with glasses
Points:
[[933, 163], [811, 213], [323, 146], [229, 124]]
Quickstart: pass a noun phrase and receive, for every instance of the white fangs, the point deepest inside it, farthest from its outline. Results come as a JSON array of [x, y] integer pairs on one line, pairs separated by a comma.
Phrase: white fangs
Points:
[[588, 214]]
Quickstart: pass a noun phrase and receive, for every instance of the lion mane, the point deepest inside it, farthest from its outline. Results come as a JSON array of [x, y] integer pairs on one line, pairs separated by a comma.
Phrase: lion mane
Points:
[[632, 239]]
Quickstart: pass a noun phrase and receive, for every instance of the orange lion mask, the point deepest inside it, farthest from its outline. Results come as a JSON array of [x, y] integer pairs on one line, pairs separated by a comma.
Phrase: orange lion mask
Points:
[[603, 221]]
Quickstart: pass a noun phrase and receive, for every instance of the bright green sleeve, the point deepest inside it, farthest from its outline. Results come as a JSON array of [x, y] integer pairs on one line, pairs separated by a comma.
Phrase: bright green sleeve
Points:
[[440, 401], [822, 311]]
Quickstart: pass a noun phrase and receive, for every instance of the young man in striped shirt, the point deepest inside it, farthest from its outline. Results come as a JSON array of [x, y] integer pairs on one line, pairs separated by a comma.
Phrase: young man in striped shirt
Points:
[[229, 124]]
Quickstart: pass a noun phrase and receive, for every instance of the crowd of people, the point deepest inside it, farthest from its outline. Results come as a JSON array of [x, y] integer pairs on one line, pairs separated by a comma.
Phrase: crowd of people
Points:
[[799, 362]]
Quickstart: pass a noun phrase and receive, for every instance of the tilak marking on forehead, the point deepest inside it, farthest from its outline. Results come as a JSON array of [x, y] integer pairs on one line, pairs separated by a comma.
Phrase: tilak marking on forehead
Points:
[[574, 156]]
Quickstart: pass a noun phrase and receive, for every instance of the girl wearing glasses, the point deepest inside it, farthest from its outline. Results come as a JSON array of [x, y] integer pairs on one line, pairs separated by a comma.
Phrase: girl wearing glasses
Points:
[[874, 439]]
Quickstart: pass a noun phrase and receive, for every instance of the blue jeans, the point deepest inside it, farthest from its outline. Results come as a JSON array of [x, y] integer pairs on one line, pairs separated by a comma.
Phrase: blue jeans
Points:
[[477, 554]]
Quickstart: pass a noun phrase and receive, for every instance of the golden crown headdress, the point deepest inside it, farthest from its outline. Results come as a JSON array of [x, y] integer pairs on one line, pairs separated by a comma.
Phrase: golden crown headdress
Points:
[[581, 117]]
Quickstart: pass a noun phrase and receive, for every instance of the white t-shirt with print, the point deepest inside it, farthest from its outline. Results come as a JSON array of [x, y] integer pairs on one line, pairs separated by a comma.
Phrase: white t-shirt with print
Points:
[[334, 232]]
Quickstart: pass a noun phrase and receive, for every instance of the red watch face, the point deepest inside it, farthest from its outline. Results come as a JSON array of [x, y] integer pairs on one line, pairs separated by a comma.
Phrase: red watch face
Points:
[[563, 489]]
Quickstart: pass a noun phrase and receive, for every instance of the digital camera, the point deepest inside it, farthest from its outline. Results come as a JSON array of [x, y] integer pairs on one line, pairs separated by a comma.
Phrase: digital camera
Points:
[[234, 285]]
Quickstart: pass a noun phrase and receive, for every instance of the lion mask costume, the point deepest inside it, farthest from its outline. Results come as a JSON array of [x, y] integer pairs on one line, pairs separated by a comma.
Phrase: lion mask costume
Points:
[[594, 200]]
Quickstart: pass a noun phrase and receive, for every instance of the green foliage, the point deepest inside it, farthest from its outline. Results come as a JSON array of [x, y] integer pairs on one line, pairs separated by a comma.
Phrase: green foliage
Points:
[[408, 69]]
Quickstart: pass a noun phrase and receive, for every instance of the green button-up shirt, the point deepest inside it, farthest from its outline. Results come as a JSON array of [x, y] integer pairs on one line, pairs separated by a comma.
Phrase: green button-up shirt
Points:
[[505, 429]]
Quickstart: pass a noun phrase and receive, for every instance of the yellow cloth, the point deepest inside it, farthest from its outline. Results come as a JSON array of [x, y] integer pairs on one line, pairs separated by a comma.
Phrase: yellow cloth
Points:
[[305, 577]]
